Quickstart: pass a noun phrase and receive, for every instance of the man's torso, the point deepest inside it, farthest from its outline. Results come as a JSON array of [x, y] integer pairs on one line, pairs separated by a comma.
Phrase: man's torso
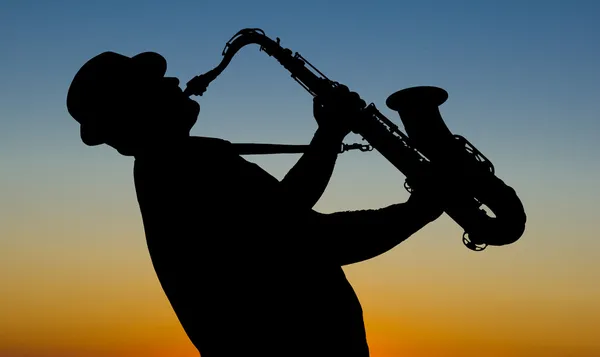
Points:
[[229, 255]]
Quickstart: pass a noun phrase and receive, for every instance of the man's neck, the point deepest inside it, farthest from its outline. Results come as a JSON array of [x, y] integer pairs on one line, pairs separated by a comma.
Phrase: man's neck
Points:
[[162, 147]]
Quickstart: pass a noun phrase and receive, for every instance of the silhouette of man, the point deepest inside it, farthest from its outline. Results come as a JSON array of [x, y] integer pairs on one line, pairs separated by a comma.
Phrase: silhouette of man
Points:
[[247, 264]]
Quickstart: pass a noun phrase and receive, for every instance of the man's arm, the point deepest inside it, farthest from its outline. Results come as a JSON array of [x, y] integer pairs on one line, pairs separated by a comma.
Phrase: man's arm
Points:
[[307, 180], [305, 183], [355, 236]]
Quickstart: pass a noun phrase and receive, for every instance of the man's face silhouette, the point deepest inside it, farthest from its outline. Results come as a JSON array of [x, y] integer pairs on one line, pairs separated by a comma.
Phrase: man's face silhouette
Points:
[[160, 107], [148, 111]]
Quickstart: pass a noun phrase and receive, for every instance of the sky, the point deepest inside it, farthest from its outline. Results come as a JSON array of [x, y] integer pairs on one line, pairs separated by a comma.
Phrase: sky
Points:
[[523, 87]]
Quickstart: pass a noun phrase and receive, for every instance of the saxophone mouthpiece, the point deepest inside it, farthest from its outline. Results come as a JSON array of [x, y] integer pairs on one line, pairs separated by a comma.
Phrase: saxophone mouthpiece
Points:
[[196, 86]]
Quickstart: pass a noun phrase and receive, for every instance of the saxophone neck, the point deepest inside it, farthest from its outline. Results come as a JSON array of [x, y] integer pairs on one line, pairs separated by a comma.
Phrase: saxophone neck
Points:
[[199, 84]]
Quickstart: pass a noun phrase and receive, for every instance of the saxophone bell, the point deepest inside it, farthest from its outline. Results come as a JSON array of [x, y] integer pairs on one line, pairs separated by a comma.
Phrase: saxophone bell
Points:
[[418, 108], [468, 169]]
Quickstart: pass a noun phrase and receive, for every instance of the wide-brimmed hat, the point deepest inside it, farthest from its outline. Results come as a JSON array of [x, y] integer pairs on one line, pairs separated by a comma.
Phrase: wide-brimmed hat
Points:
[[101, 83]]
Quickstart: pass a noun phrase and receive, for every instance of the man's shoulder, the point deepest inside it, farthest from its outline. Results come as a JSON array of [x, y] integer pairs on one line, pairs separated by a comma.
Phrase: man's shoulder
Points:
[[211, 151]]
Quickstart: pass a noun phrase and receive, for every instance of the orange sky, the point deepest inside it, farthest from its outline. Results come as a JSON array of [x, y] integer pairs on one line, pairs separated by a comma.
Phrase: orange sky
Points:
[[416, 304]]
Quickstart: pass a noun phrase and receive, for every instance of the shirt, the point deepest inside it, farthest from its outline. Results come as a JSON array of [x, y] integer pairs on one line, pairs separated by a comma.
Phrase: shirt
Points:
[[241, 266]]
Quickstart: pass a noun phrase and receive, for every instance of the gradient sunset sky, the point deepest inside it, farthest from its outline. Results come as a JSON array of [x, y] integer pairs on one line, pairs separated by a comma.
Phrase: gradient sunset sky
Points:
[[522, 76]]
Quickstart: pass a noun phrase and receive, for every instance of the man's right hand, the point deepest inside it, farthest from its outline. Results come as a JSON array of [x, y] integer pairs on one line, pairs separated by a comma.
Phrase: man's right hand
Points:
[[430, 190]]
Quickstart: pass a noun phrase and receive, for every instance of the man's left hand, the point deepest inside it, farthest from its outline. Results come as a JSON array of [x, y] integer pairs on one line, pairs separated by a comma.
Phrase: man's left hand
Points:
[[335, 113]]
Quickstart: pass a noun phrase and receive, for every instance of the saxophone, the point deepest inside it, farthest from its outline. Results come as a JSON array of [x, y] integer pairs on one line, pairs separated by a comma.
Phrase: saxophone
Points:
[[427, 144]]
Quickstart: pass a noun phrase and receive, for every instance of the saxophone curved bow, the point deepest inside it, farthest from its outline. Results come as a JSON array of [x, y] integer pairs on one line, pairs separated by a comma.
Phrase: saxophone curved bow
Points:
[[428, 142]]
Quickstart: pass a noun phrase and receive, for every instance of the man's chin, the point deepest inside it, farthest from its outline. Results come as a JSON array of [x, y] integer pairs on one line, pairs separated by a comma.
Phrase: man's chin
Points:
[[193, 107], [192, 112], [196, 107]]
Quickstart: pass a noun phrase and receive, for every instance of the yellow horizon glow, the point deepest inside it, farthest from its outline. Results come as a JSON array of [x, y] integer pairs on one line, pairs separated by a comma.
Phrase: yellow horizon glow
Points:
[[120, 310]]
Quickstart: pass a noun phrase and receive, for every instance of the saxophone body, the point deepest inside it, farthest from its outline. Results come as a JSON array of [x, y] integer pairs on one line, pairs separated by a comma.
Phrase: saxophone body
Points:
[[427, 144]]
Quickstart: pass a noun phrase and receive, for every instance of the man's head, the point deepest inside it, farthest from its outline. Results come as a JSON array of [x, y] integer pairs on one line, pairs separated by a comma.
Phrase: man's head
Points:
[[128, 103]]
